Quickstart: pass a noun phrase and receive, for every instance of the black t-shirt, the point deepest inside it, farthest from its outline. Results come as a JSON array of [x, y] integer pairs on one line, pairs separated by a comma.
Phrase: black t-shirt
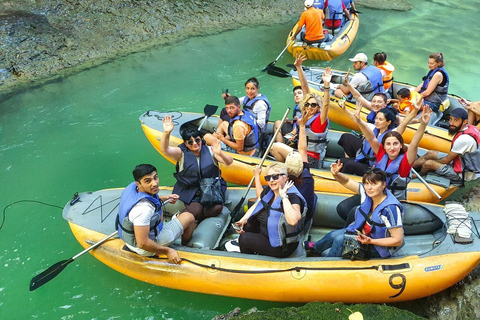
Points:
[[307, 190], [262, 217]]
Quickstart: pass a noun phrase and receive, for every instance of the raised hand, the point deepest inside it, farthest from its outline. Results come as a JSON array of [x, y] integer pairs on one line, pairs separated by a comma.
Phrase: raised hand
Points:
[[299, 59], [216, 146], [358, 111], [327, 76], [427, 112], [303, 120], [346, 77], [167, 124], [288, 185], [336, 167]]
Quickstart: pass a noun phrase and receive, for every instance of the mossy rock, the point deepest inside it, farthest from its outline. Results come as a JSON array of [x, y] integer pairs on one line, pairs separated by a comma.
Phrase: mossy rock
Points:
[[331, 311]]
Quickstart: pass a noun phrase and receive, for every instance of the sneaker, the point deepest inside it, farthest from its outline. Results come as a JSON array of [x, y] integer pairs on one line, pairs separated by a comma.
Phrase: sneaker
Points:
[[308, 245], [232, 246]]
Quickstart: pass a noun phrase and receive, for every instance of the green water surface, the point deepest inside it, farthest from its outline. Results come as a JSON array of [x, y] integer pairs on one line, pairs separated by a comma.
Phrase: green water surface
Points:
[[82, 133]]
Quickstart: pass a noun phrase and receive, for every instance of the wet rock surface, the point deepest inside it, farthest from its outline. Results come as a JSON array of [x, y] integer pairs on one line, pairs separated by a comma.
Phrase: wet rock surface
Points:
[[45, 38]]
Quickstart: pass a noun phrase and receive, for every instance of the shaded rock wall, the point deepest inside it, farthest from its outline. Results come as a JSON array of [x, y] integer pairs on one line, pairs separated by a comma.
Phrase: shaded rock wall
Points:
[[40, 38]]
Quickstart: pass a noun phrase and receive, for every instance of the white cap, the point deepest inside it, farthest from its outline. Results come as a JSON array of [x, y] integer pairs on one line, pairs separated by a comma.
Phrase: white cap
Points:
[[294, 164], [360, 57], [308, 3]]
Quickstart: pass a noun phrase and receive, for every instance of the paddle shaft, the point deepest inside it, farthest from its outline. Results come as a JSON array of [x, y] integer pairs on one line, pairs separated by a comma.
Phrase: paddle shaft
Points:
[[237, 207], [283, 50], [58, 267], [419, 177]]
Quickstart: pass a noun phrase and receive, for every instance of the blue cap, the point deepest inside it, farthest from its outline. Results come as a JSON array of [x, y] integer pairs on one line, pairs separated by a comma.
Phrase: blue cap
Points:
[[459, 113]]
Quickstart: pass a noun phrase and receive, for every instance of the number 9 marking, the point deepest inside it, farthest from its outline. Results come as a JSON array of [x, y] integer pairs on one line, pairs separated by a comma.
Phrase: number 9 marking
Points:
[[400, 286]]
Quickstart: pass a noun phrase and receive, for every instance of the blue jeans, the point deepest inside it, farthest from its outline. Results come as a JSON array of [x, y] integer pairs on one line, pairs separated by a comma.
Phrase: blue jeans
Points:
[[434, 106], [333, 240]]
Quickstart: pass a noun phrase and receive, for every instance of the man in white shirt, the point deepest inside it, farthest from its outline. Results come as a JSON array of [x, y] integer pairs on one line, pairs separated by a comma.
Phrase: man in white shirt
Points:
[[140, 218]]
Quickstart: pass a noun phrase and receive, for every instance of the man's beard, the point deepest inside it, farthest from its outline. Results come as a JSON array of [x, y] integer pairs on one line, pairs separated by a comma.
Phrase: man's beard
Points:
[[454, 130]]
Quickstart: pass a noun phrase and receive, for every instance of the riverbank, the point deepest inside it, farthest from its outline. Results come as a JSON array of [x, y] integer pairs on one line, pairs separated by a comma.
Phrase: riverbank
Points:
[[46, 39]]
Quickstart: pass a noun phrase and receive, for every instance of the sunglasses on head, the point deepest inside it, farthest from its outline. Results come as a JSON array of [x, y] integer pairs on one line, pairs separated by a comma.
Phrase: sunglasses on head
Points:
[[311, 105], [372, 169], [274, 176], [197, 141]]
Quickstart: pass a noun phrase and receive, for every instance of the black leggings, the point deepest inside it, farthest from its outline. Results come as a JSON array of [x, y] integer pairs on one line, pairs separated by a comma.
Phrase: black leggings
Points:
[[252, 241], [346, 209], [200, 212]]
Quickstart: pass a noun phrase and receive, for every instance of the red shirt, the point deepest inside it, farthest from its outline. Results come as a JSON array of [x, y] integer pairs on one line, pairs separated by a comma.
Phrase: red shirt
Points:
[[404, 168], [318, 127]]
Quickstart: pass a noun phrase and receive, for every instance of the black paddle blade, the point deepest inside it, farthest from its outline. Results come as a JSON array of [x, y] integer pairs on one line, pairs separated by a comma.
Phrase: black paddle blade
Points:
[[271, 64], [278, 72], [237, 208], [210, 110], [48, 274]]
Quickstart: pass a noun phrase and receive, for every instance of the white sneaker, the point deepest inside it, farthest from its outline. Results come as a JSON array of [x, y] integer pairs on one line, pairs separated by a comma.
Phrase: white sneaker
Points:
[[232, 246]]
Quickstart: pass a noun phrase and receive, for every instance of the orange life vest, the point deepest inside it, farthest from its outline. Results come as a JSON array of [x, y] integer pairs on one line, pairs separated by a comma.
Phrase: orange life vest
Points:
[[388, 79]]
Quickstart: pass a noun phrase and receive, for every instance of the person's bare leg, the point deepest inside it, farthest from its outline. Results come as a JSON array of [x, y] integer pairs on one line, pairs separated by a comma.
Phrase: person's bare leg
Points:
[[188, 222], [279, 137], [280, 151]]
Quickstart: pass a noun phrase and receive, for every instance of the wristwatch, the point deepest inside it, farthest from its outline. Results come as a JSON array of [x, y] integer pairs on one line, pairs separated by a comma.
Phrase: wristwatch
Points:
[[284, 196]]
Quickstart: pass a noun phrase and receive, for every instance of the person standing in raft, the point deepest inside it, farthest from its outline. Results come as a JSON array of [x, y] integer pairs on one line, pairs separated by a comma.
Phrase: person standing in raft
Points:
[[273, 224], [240, 134], [312, 19], [195, 161], [140, 219], [378, 218]]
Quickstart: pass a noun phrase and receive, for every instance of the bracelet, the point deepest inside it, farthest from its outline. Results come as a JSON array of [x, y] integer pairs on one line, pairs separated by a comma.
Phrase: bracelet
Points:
[[285, 196], [325, 88]]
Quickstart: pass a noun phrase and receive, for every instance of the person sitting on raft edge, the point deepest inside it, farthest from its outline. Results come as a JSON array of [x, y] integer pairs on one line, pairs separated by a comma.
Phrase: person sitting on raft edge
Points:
[[378, 219], [239, 135], [195, 161], [140, 218]]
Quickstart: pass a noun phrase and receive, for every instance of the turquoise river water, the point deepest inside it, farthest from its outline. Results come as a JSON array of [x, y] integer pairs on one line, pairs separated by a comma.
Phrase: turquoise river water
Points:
[[82, 133]]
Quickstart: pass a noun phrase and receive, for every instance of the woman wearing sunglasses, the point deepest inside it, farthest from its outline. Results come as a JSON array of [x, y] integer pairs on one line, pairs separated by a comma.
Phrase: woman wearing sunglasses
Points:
[[189, 155], [272, 225], [316, 112], [378, 220]]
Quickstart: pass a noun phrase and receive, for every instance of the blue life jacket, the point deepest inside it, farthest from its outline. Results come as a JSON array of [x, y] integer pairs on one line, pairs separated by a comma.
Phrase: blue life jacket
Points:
[[318, 4], [296, 112], [348, 4], [366, 151], [248, 105], [371, 117], [374, 84], [396, 184], [130, 197], [334, 11], [251, 140], [440, 93], [316, 142], [188, 180], [387, 208], [280, 233]]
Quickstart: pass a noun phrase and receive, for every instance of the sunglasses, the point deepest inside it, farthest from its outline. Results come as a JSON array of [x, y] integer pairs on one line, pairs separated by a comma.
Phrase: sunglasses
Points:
[[311, 105], [197, 141], [274, 176], [372, 169]]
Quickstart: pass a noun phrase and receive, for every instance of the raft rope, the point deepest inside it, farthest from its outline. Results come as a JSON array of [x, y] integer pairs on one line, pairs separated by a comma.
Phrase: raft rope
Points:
[[20, 201], [297, 269]]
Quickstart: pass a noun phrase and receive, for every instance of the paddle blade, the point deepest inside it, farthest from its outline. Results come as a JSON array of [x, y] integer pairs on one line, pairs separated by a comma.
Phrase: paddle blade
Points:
[[237, 208], [48, 274], [278, 72], [271, 64], [210, 110]]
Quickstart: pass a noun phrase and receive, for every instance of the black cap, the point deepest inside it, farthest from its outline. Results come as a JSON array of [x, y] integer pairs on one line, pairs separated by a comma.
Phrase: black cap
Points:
[[459, 113]]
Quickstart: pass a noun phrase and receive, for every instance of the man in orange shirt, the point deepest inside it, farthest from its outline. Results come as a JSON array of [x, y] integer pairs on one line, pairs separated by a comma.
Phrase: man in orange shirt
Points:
[[312, 19]]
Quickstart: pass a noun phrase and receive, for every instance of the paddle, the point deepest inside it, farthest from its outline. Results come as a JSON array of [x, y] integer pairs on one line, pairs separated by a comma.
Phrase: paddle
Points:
[[240, 203], [273, 63], [419, 177], [281, 73], [58, 267], [209, 110]]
